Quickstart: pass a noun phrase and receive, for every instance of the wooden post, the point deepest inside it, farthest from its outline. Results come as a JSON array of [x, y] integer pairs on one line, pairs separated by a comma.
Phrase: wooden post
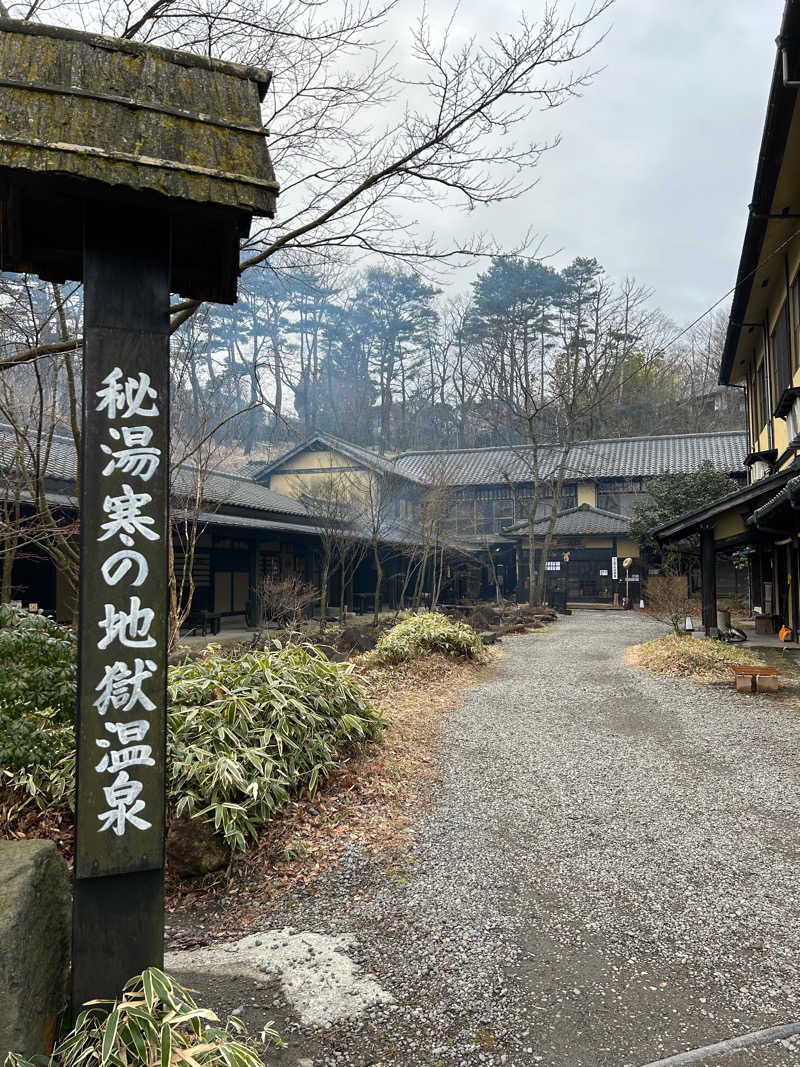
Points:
[[708, 579], [118, 904]]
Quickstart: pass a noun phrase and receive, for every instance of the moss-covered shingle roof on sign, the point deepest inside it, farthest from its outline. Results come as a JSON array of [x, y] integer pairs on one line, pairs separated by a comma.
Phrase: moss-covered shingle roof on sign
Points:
[[133, 115]]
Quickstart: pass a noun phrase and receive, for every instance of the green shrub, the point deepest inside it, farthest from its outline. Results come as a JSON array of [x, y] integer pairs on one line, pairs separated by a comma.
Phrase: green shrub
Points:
[[245, 732], [38, 664], [155, 1022], [429, 632]]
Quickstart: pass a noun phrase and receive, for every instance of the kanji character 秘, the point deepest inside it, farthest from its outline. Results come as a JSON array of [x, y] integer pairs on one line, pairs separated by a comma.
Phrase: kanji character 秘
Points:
[[126, 398]]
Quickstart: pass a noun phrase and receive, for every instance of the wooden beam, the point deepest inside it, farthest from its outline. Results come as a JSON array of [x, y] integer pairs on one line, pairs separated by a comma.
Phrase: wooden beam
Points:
[[708, 577]]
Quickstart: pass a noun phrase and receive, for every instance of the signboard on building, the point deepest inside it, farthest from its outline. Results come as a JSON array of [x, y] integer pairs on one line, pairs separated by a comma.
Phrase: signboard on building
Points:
[[615, 568]]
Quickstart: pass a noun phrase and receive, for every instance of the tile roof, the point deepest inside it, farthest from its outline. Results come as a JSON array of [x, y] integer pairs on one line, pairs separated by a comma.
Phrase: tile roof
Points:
[[584, 520], [221, 488], [622, 457]]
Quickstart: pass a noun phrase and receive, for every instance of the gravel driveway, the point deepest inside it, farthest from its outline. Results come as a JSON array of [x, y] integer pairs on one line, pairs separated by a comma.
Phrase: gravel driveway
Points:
[[609, 873]]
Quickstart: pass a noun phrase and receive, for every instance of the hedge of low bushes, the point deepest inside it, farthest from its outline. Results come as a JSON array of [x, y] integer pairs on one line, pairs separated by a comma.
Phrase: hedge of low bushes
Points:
[[244, 732]]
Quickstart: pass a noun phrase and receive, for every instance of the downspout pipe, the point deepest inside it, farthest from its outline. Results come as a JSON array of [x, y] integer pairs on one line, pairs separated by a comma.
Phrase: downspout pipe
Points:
[[782, 43]]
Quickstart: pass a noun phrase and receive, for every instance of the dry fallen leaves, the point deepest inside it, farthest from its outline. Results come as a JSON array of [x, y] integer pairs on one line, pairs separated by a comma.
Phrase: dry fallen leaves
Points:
[[369, 802]]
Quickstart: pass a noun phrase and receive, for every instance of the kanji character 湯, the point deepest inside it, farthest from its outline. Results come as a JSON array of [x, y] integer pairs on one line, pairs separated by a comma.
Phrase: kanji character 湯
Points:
[[137, 458]]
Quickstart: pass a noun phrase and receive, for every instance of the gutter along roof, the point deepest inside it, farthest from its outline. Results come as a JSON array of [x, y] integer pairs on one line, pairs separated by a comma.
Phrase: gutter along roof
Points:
[[777, 124]]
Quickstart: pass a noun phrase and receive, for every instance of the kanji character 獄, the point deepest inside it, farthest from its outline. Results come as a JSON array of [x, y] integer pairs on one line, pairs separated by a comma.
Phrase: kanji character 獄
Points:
[[121, 687]]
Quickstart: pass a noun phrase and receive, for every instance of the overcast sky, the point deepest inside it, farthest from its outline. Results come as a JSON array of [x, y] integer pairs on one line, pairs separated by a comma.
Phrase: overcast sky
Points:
[[656, 164]]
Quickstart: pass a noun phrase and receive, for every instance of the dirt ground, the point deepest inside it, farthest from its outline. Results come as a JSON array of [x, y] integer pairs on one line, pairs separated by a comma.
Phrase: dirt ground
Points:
[[605, 874]]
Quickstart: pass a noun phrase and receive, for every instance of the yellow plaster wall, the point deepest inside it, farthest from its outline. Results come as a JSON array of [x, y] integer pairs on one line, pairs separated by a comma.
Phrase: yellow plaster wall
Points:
[[627, 547], [599, 542], [317, 458], [294, 485], [587, 494], [728, 526], [286, 480]]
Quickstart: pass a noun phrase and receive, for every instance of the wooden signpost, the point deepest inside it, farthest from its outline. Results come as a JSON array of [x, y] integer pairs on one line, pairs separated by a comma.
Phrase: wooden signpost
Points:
[[136, 170]]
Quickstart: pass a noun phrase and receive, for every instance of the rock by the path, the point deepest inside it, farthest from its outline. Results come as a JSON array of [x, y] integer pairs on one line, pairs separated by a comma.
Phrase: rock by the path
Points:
[[317, 975], [354, 640], [193, 848]]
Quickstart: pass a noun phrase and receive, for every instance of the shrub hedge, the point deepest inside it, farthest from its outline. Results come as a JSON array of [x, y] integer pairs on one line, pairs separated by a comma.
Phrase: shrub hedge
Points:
[[428, 632]]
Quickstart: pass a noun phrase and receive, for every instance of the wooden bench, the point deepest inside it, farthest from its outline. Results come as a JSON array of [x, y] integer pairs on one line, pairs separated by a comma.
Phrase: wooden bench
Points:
[[756, 676]]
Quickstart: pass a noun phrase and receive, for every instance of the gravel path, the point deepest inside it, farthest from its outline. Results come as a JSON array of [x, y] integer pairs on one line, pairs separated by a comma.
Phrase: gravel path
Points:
[[608, 874]]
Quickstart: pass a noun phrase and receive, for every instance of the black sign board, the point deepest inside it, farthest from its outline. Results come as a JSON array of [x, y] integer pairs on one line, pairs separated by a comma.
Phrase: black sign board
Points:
[[124, 531], [118, 899]]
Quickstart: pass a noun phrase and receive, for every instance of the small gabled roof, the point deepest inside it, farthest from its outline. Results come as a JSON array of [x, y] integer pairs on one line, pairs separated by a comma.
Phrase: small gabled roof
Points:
[[744, 499], [136, 115], [585, 520], [363, 456]]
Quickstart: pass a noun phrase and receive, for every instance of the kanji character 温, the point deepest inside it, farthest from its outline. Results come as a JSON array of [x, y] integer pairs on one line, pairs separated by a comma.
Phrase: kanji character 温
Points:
[[121, 758], [121, 687], [126, 398]]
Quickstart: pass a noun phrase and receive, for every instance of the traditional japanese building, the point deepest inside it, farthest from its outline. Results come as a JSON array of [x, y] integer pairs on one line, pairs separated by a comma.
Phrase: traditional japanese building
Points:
[[484, 496], [762, 358]]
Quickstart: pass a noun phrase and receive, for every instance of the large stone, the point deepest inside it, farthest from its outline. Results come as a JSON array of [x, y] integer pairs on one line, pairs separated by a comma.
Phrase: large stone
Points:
[[34, 945], [354, 640], [193, 848]]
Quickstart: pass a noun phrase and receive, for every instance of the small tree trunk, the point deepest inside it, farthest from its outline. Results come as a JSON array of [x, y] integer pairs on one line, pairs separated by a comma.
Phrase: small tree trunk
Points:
[[378, 583], [323, 589]]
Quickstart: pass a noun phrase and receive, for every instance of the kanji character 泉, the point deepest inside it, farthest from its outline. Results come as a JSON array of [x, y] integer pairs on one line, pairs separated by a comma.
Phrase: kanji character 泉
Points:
[[121, 687], [137, 458], [122, 797], [125, 517], [126, 398], [132, 627], [119, 563]]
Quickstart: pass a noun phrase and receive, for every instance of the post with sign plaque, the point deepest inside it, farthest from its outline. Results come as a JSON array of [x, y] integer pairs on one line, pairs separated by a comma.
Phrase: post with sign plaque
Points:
[[119, 856], [136, 170]]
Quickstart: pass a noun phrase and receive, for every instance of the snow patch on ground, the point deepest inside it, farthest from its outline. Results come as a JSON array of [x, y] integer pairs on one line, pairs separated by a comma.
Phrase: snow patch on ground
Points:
[[320, 980]]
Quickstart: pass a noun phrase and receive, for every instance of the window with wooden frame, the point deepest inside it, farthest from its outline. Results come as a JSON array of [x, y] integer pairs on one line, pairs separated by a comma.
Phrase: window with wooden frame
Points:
[[796, 322], [781, 356]]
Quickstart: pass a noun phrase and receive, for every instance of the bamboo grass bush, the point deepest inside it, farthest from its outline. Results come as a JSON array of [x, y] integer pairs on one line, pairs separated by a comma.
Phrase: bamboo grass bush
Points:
[[428, 632], [157, 1023], [244, 733]]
